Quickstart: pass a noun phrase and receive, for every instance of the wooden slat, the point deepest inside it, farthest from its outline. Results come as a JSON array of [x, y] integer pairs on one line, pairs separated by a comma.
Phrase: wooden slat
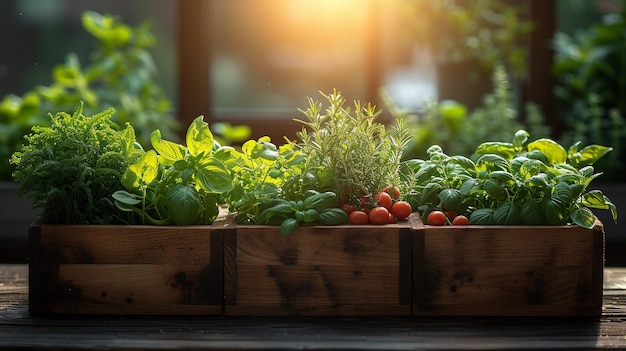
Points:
[[155, 289], [347, 270], [497, 270], [126, 270], [126, 244]]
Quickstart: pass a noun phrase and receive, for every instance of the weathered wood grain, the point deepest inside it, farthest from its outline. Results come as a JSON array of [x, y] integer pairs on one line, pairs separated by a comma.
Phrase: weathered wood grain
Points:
[[126, 270], [498, 270], [347, 270]]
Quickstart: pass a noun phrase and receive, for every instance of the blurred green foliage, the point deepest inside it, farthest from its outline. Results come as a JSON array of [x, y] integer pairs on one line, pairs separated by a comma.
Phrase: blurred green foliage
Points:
[[121, 73], [490, 32], [590, 72], [459, 131]]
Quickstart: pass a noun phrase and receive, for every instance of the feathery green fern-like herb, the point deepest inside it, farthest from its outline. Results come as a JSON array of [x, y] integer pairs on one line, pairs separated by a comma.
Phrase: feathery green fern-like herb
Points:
[[71, 168]]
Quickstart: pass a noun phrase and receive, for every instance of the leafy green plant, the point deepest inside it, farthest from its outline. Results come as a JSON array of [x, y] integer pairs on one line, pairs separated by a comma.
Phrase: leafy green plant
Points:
[[177, 184], [17, 116], [590, 71], [511, 183], [351, 153], [316, 208], [121, 74], [71, 168], [490, 32], [452, 126]]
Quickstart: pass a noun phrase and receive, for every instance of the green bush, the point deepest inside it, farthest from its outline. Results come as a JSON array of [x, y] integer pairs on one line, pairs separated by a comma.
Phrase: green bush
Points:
[[121, 74]]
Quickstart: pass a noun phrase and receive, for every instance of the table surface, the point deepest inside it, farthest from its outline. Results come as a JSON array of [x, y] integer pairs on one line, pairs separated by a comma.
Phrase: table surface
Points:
[[20, 331]]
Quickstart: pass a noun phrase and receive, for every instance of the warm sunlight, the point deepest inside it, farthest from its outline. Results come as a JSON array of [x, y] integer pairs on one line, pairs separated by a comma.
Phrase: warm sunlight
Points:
[[288, 45]]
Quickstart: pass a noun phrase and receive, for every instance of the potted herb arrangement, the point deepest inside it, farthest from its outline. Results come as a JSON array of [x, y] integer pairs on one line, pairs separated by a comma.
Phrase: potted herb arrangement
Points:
[[120, 73], [533, 245], [335, 223], [84, 257]]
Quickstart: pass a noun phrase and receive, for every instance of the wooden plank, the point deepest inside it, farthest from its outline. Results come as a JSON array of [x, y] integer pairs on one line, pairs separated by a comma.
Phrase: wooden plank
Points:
[[498, 270], [126, 270], [347, 270], [168, 245]]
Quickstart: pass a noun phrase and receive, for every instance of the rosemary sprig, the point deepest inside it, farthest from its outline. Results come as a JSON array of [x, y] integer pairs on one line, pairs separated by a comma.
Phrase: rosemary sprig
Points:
[[353, 154]]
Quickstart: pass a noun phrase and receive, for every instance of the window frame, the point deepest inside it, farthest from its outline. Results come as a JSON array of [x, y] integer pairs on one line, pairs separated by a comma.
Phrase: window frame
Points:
[[194, 93]]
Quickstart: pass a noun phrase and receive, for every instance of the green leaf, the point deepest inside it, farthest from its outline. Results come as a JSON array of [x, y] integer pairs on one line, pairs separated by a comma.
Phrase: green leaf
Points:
[[183, 204], [464, 162], [563, 193], [493, 162], [504, 150], [532, 168], [507, 214], [199, 138], [502, 177], [555, 212], [494, 189], [212, 176], [142, 172], [261, 148], [126, 198], [538, 155], [429, 194], [67, 76], [332, 216], [553, 151], [531, 213], [279, 210], [451, 199], [482, 216], [288, 226], [310, 215], [537, 182], [169, 152], [596, 199], [320, 201], [588, 155], [425, 173], [106, 28], [583, 217], [520, 138]]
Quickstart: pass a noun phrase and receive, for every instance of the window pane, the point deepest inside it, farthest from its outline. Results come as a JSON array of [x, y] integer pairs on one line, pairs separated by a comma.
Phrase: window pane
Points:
[[272, 54], [38, 35]]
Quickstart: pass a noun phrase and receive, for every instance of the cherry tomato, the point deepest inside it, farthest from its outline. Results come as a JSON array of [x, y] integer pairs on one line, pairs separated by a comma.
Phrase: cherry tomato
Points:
[[379, 215], [358, 217], [436, 218], [348, 208], [393, 191], [392, 219], [401, 209], [383, 199], [460, 220]]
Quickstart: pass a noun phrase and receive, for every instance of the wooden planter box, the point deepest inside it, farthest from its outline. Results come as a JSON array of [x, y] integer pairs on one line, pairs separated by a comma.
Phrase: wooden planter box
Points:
[[348, 270], [508, 270], [117, 269], [400, 270]]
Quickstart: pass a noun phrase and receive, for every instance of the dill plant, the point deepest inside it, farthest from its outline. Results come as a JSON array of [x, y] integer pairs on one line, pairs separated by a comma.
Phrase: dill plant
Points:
[[352, 154], [72, 167]]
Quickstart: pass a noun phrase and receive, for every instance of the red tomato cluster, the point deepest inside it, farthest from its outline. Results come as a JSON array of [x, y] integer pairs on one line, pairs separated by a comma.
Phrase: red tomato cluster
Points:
[[385, 207], [440, 218]]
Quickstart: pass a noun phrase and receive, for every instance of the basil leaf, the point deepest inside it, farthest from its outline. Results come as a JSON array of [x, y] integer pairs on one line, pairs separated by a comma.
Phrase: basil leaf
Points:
[[183, 204], [551, 149], [483, 216], [583, 217]]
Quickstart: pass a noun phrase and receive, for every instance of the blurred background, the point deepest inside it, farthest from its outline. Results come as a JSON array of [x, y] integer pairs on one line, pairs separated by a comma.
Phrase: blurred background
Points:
[[465, 72]]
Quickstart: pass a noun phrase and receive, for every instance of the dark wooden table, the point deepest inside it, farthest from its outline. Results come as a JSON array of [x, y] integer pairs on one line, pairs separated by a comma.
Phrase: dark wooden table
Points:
[[20, 331]]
